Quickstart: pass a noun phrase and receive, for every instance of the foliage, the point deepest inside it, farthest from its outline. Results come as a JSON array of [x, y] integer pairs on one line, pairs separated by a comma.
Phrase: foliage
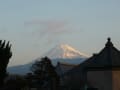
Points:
[[45, 72], [5, 55], [15, 82]]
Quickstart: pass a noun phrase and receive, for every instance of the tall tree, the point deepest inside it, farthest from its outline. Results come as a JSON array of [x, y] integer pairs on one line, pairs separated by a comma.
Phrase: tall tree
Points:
[[5, 55], [46, 73]]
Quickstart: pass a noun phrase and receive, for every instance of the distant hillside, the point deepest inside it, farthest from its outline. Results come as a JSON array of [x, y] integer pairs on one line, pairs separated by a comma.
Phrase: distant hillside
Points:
[[62, 53]]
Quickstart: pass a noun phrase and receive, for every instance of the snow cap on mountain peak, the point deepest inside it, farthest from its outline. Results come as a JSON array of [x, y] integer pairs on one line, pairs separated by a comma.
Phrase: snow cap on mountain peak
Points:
[[65, 51]]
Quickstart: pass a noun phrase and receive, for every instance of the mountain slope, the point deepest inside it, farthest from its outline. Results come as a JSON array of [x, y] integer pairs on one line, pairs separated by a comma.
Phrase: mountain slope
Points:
[[64, 51], [61, 53], [20, 69]]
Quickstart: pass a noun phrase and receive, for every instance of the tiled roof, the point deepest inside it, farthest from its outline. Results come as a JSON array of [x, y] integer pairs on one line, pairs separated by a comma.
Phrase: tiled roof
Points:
[[109, 56]]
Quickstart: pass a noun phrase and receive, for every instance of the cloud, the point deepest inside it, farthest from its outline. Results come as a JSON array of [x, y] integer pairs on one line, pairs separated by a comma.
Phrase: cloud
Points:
[[51, 30], [50, 26]]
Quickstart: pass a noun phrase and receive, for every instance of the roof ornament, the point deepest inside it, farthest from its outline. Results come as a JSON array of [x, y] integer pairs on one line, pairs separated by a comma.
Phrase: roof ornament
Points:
[[109, 39], [109, 43]]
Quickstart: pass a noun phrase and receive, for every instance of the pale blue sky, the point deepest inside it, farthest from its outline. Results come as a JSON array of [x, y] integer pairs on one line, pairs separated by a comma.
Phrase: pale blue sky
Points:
[[34, 26]]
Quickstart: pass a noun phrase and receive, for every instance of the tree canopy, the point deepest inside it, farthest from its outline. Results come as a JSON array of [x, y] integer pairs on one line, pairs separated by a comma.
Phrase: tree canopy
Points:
[[5, 55], [45, 72]]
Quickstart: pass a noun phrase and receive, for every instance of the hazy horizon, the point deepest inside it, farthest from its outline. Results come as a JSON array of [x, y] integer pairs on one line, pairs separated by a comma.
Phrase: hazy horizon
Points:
[[34, 27]]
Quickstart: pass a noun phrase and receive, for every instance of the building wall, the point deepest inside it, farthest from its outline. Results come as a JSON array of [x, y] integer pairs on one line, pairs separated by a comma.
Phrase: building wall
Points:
[[116, 79], [74, 81], [100, 79]]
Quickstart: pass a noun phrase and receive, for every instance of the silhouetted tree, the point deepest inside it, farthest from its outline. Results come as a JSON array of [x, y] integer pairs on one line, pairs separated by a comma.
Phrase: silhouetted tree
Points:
[[15, 82], [46, 74], [5, 55]]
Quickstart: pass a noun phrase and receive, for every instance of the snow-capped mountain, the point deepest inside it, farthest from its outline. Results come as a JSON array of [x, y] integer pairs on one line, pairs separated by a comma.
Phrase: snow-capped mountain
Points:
[[61, 53], [66, 54], [64, 51]]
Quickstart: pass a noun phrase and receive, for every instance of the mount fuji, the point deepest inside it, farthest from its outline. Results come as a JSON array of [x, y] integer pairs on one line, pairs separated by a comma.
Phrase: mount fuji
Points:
[[64, 51], [66, 54], [61, 53]]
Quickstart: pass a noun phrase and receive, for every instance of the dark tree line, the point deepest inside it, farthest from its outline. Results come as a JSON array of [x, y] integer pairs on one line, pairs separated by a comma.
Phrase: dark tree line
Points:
[[5, 55], [45, 74]]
